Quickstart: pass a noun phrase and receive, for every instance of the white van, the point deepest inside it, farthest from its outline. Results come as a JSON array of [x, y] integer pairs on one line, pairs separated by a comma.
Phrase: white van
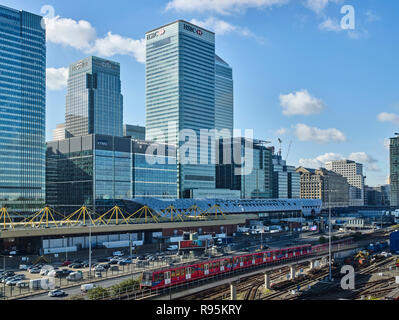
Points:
[[87, 287]]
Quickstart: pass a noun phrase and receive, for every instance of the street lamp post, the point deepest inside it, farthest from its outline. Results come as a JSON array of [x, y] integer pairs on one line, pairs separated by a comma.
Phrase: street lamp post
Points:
[[329, 231], [89, 252]]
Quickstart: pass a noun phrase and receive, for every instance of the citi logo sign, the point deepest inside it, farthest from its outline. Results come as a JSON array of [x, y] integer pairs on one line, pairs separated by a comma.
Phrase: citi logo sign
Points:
[[156, 34], [192, 29]]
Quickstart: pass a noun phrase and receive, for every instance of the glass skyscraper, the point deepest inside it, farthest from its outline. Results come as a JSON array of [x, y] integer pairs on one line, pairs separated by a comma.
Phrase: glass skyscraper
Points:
[[106, 169], [22, 110], [180, 95], [224, 96], [394, 170], [94, 103]]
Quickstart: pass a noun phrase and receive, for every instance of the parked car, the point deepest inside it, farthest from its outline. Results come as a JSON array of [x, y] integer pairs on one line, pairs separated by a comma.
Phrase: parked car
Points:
[[122, 263], [34, 270], [99, 268], [114, 268], [103, 260], [77, 266], [57, 293], [66, 263], [75, 276], [118, 254], [13, 282], [22, 284], [98, 274]]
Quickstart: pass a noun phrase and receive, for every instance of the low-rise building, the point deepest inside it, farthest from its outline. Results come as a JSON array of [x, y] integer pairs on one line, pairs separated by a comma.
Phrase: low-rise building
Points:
[[330, 187], [94, 168]]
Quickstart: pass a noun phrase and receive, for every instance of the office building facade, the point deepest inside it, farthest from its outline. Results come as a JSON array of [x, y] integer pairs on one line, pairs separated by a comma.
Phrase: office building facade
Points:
[[59, 133], [353, 173], [134, 132], [253, 184], [98, 169], [224, 96], [180, 95], [94, 103], [331, 188], [394, 171], [22, 110], [286, 181]]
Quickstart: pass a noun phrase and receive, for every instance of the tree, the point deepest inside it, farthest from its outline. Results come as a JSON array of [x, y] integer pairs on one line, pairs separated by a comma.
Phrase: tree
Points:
[[98, 293]]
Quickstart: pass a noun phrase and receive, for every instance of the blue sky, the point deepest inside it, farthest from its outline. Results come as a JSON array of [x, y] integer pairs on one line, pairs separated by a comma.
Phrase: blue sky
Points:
[[331, 93]]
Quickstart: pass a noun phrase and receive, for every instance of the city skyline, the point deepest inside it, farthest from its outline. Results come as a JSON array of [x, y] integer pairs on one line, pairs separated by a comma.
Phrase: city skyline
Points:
[[298, 101]]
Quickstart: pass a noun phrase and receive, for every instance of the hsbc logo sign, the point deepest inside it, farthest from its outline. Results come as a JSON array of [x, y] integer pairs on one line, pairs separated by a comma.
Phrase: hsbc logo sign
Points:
[[156, 34], [193, 29]]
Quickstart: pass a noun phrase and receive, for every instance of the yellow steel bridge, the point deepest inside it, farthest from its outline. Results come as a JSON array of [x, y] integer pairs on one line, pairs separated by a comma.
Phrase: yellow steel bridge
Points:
[[48, 217]]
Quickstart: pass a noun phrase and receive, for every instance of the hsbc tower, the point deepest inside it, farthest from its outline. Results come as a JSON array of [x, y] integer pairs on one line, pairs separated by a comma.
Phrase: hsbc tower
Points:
[[180, 95]]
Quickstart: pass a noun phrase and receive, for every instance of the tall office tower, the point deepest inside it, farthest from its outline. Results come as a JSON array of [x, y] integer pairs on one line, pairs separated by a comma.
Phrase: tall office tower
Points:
[[353, 172], [180, 95], [134, 132], [59, 132], [94, 103], [252, 184], [286, 181], [224, 96], [394, 171], [22, 110]]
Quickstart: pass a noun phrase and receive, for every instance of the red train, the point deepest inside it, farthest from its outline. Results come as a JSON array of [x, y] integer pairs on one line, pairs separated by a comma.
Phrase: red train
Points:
[[180, 274], [176, 275]]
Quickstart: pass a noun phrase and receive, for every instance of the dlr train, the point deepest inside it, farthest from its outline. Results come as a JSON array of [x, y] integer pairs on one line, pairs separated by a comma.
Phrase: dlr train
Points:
[[171, 276]]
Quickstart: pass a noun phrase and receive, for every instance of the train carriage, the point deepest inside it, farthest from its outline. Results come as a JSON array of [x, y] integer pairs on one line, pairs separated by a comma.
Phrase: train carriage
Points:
[[181, 274]]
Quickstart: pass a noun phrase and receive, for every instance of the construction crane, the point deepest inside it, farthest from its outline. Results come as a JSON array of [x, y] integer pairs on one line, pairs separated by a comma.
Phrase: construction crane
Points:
[[279, 143], [288, 152]]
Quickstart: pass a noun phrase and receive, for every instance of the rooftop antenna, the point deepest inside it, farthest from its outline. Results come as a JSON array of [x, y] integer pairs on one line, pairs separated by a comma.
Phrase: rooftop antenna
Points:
[[279, 142]]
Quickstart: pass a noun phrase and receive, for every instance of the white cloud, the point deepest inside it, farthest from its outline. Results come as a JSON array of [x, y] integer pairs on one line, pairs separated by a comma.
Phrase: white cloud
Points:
[[360, 157], [68, 32], [56, 79], [221, 27], [221, 6], [371, 16], [320, 161], [318, 6], [388, 117], [301, 103], [306, 133], [281, 131], [330, 25], [82, 36], [114, 44], [364, 158]]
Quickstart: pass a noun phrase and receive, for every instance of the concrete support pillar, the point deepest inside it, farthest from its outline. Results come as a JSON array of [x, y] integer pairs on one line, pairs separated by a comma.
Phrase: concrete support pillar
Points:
[[292, 272], [267, 281], [233, 291], [312, 264]]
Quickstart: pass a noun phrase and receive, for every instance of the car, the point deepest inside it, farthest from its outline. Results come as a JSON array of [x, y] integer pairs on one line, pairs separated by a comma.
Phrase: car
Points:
[[77, 266], [66, 263], [57, 293], [99, 268], [118, 254], [141, 258], [122, 263], [86, 287], [98, 274], [103, 260], [34, 270], [22, 284], [8, 273], [13, 282], [106, 266]]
